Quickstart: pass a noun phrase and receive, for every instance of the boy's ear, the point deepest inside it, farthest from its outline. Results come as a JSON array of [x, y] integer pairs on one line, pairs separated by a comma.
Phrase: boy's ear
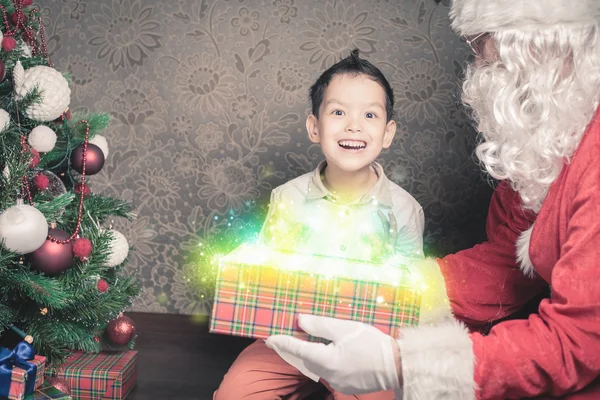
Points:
[[312, 127], [390, 132]]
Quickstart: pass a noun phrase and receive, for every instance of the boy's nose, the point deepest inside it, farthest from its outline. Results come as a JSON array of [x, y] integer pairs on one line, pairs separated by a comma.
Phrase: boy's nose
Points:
[[353, 126]]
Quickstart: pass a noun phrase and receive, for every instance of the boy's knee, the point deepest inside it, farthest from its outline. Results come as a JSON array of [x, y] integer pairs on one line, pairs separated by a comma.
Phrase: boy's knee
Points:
[[242, 385], [229, 391]]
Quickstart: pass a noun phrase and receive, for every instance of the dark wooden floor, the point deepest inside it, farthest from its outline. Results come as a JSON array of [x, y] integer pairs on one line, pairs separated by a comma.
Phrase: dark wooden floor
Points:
[[178, 359]]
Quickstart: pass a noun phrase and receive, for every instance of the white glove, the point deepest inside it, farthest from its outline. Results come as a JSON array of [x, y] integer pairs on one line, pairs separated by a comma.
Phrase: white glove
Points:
[[359, 359]]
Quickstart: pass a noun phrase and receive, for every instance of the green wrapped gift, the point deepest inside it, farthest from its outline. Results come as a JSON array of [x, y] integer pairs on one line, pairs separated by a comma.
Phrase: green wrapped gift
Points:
[[47, 392]]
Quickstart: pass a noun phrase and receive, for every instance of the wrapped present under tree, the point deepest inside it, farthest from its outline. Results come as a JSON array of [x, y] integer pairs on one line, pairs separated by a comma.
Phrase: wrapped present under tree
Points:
[[104, 375], [21, 371], [48, 392]]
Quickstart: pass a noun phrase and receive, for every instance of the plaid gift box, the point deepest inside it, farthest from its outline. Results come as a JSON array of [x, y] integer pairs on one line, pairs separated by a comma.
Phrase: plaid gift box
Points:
[[261, 291], [48, 392], [19, 379], [105, 375]]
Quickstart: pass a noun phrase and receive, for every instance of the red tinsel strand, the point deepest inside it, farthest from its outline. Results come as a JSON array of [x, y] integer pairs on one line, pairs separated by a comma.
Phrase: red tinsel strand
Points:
[[43, 36], [20, 14], [27, 193], [82, 195], [24, 144], [29, 33], [25, 190], [34, 14], [8, 32]]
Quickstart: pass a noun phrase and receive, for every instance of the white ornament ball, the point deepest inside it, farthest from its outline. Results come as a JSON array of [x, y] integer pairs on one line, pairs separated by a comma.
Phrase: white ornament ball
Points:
[[4, 120], [52, 86], [119, 248], [42, 139], [101, 142], [23, 228]]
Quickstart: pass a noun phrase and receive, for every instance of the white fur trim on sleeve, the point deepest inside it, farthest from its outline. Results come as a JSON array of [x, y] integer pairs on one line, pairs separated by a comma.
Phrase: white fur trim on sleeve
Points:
[[523, 253], [437, 362]]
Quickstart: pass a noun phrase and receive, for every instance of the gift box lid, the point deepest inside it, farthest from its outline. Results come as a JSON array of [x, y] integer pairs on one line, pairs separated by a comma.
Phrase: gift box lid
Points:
[[100, 375], [395, 271]]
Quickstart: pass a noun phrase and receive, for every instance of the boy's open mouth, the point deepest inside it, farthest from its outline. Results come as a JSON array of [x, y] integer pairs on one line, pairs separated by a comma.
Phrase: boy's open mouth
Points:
[[352, 144]]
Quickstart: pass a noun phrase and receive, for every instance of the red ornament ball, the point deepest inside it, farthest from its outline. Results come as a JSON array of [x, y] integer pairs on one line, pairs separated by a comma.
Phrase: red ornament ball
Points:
[[60, 383], [53, 258], [83, 188], [97, 339], [121, 330], [41, 182], [27, 3], [82, 248], [102, 285], [35, 158], [9, 43], [14, 17], [94, 159]]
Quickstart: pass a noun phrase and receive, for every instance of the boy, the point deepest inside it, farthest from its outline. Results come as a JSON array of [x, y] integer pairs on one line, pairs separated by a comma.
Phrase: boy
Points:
[[345, 208]]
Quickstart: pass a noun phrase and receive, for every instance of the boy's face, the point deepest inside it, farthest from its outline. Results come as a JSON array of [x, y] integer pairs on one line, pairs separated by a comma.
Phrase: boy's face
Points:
[[351, 127]]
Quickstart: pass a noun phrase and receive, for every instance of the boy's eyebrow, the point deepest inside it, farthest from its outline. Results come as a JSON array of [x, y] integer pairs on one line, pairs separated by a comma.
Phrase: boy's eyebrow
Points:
[[336, 101]]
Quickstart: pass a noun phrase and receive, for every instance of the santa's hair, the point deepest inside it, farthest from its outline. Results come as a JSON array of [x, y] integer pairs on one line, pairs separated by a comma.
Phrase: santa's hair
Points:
[[532, 106]]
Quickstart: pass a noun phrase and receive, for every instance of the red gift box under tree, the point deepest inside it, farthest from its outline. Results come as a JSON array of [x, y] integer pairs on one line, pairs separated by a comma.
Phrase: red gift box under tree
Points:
[[104, 375]]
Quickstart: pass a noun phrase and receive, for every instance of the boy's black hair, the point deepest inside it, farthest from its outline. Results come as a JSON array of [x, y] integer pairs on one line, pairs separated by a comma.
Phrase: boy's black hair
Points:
[[353, 65]]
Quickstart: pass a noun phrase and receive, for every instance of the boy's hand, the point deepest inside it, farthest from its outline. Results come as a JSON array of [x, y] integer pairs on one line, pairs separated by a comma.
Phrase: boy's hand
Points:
[[390, 227], [359, 359]]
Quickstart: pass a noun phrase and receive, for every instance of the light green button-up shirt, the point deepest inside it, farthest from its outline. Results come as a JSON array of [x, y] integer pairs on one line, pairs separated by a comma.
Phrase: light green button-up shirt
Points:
[[304, 216]]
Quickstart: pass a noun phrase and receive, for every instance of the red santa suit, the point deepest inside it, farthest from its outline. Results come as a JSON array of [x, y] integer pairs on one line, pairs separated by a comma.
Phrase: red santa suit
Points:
[[554, 353], [557, 350]]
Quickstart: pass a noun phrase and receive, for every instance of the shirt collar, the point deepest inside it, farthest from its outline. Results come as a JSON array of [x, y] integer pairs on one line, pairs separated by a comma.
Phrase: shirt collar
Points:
[[380, 191]]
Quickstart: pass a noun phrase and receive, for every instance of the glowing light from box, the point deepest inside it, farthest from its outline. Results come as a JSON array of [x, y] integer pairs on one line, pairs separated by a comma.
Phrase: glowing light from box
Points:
[[288, 237], [264, 259]]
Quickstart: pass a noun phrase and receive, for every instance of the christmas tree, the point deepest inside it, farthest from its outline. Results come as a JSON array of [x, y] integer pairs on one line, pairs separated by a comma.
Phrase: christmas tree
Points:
[[60, 262]]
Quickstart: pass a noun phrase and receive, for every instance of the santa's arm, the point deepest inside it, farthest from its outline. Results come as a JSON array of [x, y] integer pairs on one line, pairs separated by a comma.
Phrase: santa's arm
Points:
[[554, 352], [484, 284]]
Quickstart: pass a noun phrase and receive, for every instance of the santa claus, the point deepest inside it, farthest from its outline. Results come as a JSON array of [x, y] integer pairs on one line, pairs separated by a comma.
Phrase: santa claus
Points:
[[534, 91]]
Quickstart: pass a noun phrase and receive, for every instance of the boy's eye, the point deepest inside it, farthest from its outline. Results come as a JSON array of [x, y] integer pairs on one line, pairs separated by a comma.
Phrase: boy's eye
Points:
[[370, 115], [338, 112]]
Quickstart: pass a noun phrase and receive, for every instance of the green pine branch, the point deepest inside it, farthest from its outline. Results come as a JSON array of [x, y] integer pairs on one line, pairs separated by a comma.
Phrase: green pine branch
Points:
[[34, 286], [6, 317]]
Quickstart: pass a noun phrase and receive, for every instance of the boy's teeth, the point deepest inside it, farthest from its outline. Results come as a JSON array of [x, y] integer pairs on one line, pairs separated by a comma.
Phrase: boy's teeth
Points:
[[352, 144]]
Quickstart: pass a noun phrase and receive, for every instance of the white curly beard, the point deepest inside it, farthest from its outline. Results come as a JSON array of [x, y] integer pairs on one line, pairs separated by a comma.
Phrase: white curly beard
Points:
[[530, 121]]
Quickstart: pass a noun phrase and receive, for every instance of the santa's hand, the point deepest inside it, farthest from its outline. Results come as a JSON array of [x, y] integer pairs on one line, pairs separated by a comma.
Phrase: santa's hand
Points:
[[359, 359]]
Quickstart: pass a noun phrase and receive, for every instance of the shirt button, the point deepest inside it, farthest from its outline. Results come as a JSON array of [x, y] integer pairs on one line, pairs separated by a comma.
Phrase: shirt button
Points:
[[343, 248]]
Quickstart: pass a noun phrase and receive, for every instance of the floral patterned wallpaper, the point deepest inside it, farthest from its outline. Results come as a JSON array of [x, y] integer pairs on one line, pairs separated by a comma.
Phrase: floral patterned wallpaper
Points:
[[209, 99]]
